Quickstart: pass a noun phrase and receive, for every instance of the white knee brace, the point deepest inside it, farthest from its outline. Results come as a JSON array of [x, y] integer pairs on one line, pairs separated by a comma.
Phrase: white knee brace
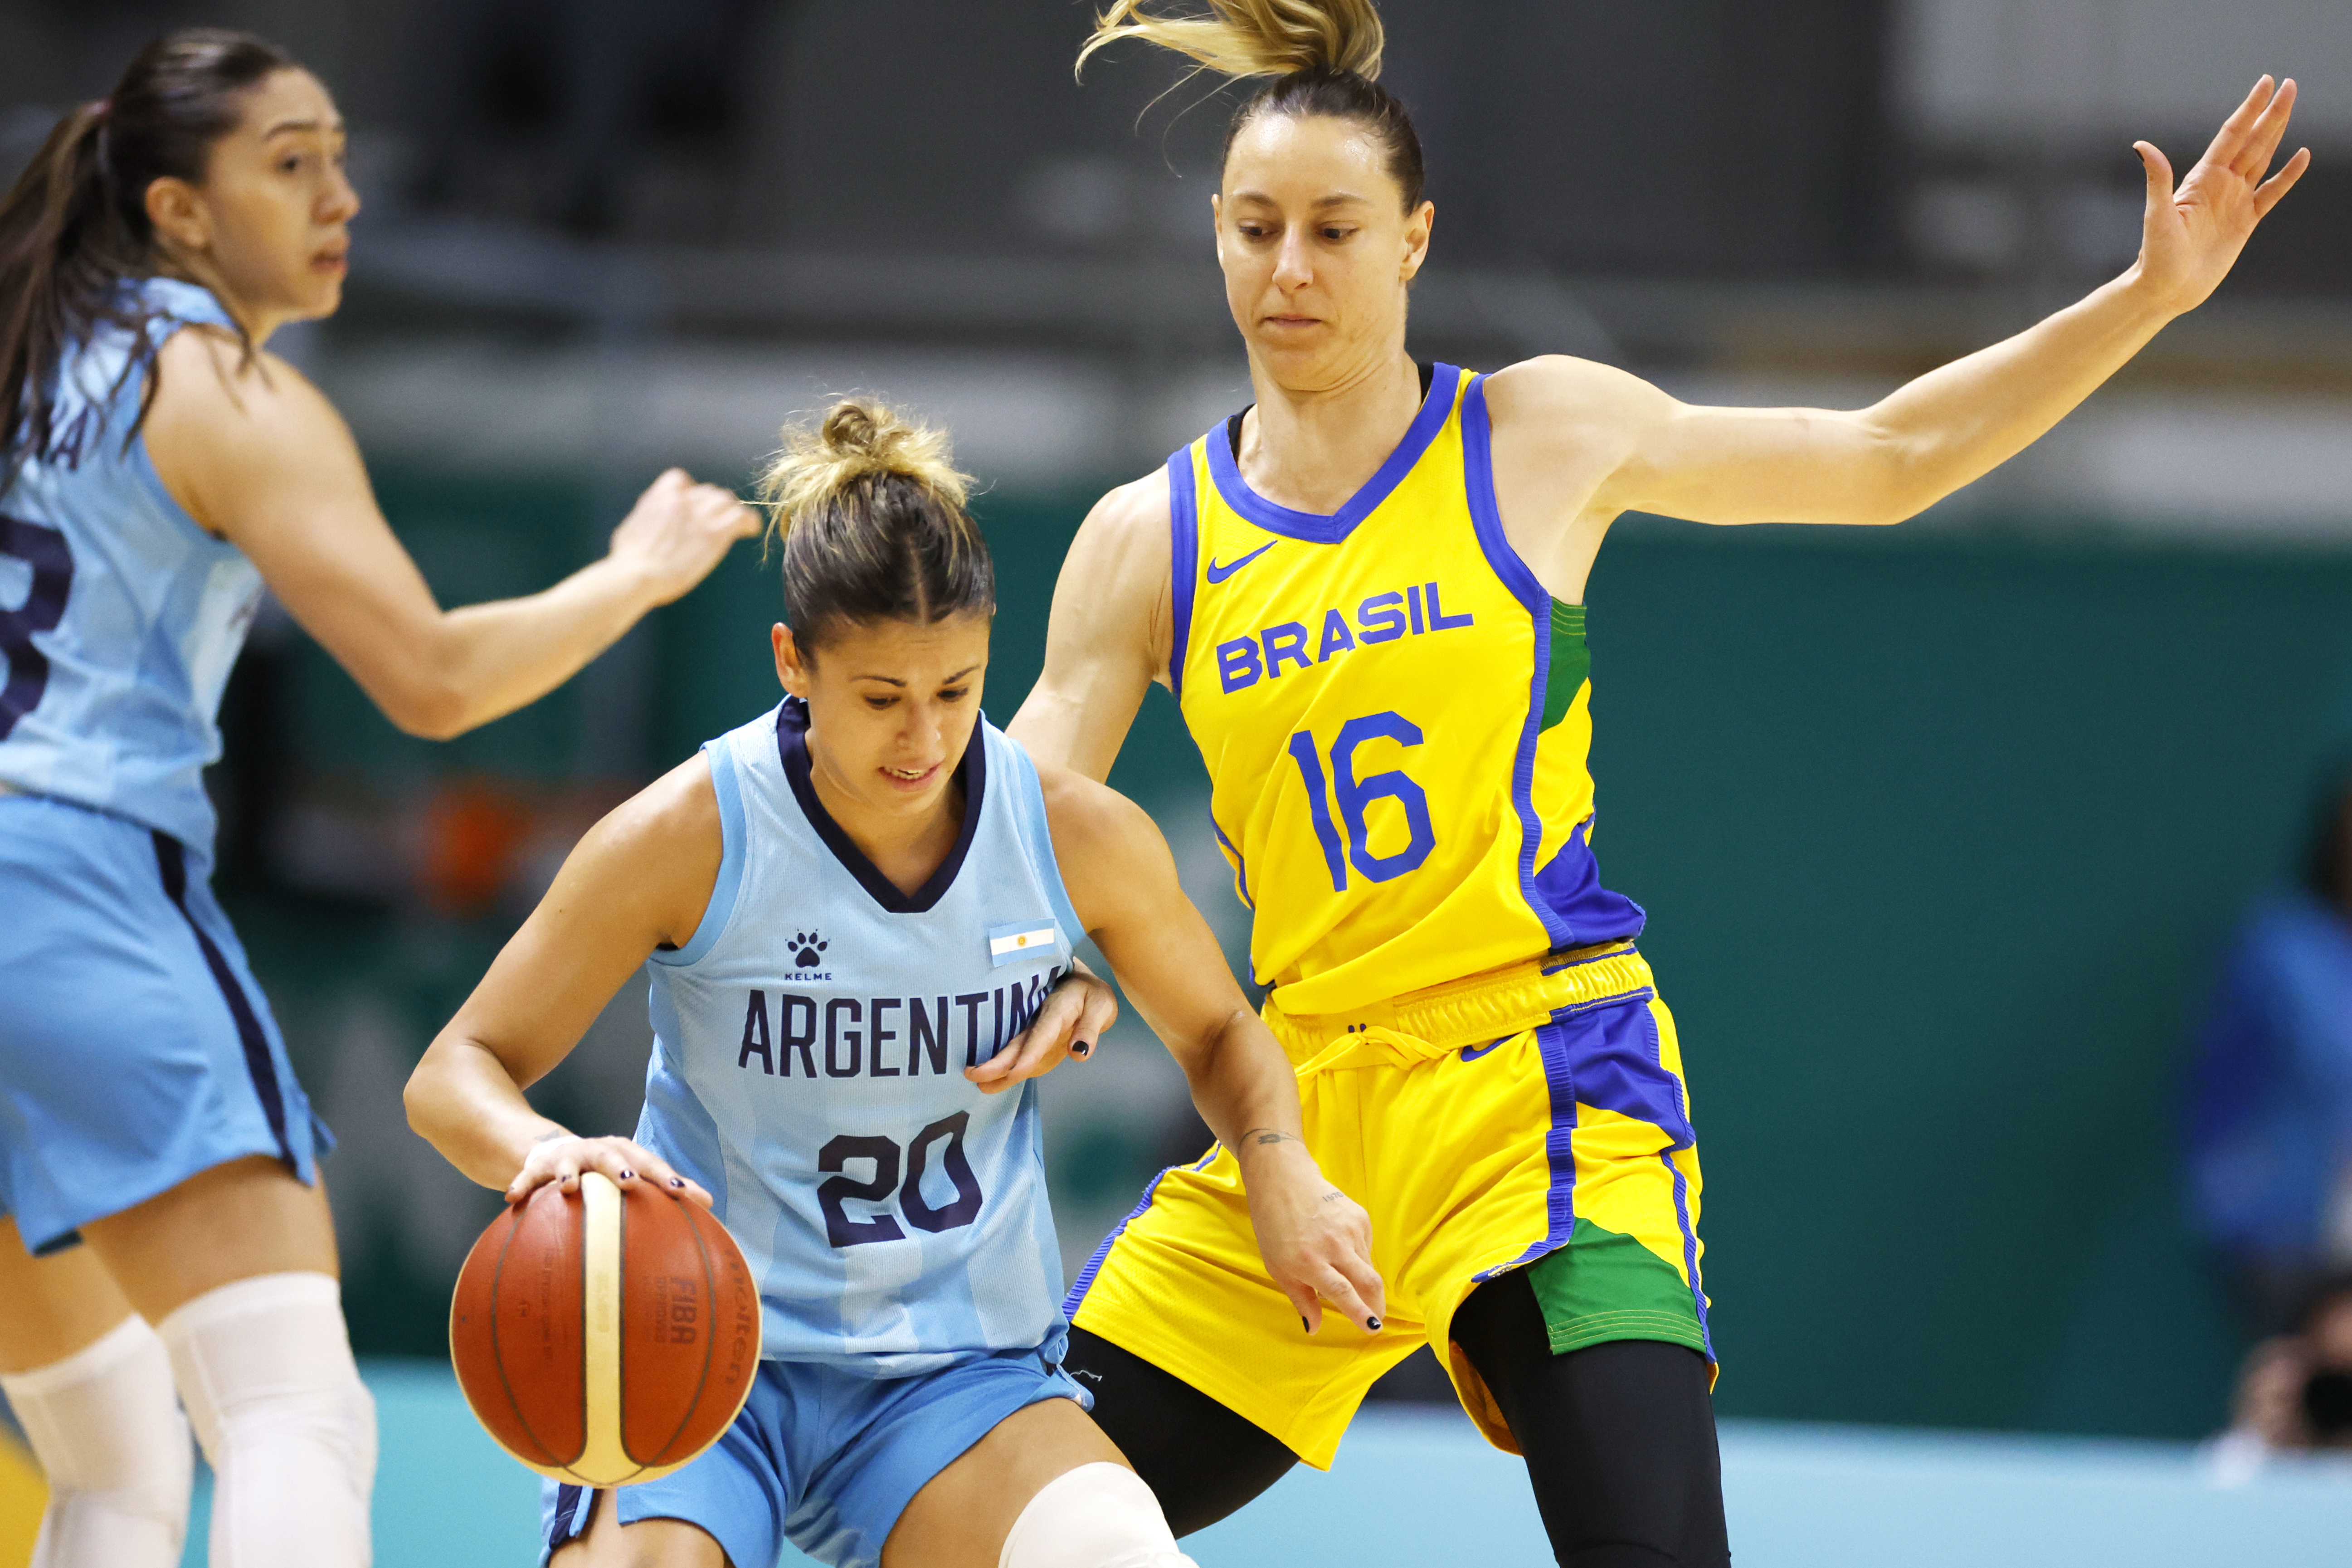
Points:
[[110, 1438], [266, 1371], [1097, 1516]]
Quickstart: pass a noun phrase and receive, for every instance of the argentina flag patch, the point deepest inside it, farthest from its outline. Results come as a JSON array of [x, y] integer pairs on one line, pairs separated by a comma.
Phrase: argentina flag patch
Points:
[[1013, 943]]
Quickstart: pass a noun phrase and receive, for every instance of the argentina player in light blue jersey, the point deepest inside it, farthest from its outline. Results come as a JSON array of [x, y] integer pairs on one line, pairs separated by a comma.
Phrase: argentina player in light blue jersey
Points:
[[157, 470], [857, 912]]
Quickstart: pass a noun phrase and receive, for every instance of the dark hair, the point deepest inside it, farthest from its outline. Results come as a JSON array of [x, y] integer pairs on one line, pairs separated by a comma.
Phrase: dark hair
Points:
[[1323, 55], [74, 224], [868, 513]]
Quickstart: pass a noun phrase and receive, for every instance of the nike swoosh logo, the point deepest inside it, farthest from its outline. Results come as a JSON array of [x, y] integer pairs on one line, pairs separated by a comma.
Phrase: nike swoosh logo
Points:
[[1472, 1053], [1218, 574]]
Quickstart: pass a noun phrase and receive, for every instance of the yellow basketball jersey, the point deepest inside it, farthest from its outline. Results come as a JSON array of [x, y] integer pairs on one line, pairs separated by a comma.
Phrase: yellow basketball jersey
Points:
[[1395, 717]]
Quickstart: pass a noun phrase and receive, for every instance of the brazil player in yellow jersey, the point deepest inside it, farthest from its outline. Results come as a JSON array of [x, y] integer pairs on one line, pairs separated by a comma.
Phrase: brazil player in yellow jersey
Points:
[[1366, 593]]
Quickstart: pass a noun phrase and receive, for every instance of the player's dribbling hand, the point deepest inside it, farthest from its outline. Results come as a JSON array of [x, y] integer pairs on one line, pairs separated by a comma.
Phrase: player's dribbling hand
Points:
[[560, 1158], [1317, 1240], [1070, 1024], [2190, 238], [679, 530]]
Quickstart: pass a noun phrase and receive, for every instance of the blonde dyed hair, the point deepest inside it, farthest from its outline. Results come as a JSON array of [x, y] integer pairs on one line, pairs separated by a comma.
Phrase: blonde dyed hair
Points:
[[866, 508], [1254, 38]]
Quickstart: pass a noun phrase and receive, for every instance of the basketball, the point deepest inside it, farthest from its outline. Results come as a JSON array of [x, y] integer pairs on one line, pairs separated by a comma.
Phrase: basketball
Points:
[[604, 1337]]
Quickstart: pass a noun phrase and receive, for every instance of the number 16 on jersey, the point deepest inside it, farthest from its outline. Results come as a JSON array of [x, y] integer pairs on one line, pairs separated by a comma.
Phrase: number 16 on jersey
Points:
[[1355, 795]]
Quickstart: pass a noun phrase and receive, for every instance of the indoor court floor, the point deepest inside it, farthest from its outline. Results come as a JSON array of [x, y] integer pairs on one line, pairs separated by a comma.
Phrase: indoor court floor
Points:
[[1415, 1487]]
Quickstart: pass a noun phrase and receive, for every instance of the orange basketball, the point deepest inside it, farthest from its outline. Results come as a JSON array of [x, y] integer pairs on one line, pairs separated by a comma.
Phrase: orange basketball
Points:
[[602, 1337]]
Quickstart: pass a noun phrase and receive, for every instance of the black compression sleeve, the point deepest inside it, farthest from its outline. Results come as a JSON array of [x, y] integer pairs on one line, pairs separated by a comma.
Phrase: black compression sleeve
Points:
[[1619, 1436], [1202, 1460]]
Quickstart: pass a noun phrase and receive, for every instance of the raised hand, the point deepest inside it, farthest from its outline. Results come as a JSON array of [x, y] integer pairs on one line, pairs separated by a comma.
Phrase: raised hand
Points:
[[679, 530], [2191, 237]]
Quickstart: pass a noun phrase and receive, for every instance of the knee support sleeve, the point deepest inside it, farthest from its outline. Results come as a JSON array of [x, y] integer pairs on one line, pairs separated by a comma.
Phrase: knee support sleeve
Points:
[[1097, 1516], [108, 1431], [266, 1371]]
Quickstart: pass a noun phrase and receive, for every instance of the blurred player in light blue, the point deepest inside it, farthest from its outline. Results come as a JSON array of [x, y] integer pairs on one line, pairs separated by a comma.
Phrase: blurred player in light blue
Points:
[[857, 912], [158, 469]]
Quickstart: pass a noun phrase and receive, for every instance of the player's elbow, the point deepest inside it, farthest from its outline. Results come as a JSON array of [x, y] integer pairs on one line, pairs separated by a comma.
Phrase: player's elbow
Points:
[[416, 1098], [1903, 473], [425, 706], [1887, 482]]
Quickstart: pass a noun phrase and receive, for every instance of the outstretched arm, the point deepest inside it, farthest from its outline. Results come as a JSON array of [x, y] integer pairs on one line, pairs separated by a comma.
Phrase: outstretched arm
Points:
[[1945, 429], [257, 455], [640, 878], [1109, 636], [1315, 1240]]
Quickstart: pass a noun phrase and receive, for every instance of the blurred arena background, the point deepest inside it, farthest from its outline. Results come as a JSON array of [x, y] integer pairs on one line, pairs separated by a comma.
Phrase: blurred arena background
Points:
[[1943, 828]]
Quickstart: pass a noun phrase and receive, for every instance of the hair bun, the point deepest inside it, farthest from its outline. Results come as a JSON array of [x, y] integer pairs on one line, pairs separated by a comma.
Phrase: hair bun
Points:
[[856, 442], [851, 430]]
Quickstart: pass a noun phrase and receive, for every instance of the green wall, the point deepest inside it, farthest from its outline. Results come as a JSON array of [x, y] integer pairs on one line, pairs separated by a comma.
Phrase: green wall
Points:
[[1938, 835]]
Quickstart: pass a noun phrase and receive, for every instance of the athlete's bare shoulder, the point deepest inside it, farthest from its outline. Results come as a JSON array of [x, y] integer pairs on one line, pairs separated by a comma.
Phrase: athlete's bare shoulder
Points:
[[1127, 531], [655, 855], [1560, 398], [203, 373], [1109, 637], [1563, 431], [1114, 582], [225, 420]]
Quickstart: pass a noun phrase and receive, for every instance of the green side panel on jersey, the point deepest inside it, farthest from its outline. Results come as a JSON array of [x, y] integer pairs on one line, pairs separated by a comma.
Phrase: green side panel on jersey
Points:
[[1603, 1285], [1571, 662]]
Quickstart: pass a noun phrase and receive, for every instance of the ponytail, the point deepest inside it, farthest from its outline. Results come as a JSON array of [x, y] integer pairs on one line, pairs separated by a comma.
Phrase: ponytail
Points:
[[1323, 55], [1256, 37], [75, 227], [869, 513]]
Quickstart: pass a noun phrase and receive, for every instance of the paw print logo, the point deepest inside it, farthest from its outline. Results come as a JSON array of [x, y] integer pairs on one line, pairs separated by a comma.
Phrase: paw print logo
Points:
[[808, 950]]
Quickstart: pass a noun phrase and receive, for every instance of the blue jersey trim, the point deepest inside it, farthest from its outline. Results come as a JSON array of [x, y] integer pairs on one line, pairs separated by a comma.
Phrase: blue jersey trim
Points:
[[719, 913], [791, 750], [1559, 1147], [143, 466], [1478, 470], [1183, 557], [173, 304], [184, 301], [177, 304], [1436, 407], [1085, 1281], [1240, 866]]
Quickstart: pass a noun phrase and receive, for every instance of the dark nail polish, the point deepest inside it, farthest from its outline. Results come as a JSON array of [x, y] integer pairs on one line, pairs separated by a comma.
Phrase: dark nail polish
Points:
[[1372, 1325], [628, 1175], [1082, 1047], [678, 1181], [1302, 1323]]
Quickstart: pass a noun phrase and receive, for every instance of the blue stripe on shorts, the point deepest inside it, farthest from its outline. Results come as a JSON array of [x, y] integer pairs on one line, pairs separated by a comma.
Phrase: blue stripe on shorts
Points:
[[135, 1048]]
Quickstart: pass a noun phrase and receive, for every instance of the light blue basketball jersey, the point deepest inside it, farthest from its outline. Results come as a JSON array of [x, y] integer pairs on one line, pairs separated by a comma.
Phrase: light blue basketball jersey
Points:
[[808, 1049], [119, 617]]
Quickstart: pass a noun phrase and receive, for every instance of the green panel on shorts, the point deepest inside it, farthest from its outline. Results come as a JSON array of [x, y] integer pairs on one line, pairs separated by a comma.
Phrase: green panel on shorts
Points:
[[1603, 1285]]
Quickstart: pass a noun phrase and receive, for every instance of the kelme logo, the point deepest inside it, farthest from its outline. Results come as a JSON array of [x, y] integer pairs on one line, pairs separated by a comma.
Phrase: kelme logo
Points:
[[808, 950]]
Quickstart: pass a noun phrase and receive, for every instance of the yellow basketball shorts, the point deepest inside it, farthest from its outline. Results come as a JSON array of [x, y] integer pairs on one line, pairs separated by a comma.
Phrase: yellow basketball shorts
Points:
[[1560, 1142]]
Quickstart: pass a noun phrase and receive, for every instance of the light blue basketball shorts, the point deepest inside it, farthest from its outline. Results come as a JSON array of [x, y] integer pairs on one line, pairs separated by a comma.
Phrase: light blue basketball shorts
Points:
[[826, 1459], [135, 1048]]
